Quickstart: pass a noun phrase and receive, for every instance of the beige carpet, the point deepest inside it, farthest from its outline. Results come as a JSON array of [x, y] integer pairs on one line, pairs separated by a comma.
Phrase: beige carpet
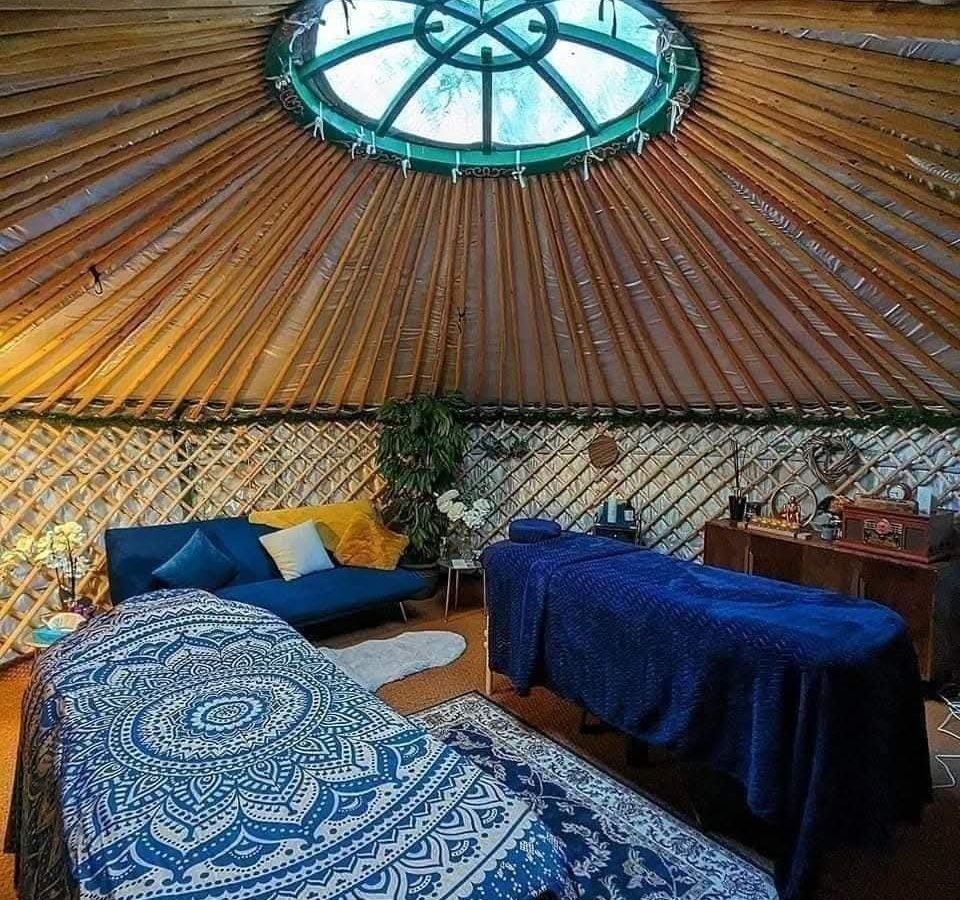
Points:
[[923, 864]]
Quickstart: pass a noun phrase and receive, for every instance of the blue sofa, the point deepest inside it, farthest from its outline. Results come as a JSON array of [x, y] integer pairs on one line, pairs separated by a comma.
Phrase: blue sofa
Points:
[[133, 554]]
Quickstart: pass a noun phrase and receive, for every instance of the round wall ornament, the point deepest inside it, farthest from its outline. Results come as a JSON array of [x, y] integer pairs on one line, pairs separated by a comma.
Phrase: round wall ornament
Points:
[[483, 87], [603, 451], [831, 457]]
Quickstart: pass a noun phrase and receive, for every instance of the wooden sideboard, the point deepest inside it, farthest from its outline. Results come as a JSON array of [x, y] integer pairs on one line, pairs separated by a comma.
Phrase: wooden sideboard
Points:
[[926, 595]]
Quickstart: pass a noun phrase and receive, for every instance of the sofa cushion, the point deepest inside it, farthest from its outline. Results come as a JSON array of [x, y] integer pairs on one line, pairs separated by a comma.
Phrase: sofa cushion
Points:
[[326, 595], [133, 553], [297, 551], [367, 543], [197, 564], [331, 519]]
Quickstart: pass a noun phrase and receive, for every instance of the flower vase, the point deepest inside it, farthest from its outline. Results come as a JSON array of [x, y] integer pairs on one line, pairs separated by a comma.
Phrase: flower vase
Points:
[[82, 606], [463, 544]]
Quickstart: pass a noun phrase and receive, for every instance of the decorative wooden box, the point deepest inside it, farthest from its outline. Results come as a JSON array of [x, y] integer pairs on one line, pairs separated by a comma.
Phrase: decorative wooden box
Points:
[[899, 534]]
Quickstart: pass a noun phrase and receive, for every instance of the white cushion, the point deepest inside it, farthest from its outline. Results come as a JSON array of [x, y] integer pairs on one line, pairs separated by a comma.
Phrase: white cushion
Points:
[[297, 551]]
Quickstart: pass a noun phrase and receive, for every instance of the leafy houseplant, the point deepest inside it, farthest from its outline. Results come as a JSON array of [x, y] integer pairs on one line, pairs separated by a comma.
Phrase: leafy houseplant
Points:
[[422, 444]]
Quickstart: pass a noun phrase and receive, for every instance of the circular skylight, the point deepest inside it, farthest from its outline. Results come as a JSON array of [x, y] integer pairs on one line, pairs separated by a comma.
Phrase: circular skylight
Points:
[[483, 86]]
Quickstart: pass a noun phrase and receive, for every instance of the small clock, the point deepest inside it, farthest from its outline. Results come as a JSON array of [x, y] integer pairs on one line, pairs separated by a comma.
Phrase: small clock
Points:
[[899, 492]]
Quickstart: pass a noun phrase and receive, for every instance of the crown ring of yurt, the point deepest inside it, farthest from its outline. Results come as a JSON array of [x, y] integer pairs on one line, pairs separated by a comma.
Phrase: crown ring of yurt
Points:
[[504, 88], [479, 449]]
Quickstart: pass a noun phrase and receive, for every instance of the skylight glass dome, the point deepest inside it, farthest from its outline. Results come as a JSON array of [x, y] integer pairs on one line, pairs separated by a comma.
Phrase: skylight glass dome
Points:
[[483, 86]]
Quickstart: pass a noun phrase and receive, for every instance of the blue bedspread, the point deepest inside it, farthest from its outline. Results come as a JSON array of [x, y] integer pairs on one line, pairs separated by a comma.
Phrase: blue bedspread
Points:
[[192, 747], [811, 700]]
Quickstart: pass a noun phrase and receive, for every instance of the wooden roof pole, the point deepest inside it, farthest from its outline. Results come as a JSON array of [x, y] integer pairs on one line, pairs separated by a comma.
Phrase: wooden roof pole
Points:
[[454, 255], [846, 154], [865, 309], [384, 189], [171, 131], [381, 305], [673, 222], [369, 176], [681, 329], [434, 200], [758, 252], [542, 319], [605, 275], [352, 297], [699, 302], [790, 351], [408, 206], [288, 293], [814, 204], [292, 204], [154, 188], [60, 339]]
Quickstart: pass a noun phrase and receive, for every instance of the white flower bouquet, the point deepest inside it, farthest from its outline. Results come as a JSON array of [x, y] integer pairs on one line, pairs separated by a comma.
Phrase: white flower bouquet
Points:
[[58, 549], [465, 518]]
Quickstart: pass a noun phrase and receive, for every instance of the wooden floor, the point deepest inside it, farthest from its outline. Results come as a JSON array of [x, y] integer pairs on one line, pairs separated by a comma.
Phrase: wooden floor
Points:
[[924, 863]]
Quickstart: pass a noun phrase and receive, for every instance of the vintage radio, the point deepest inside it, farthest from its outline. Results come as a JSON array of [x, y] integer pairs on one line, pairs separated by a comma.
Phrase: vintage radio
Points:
[[900, 534]]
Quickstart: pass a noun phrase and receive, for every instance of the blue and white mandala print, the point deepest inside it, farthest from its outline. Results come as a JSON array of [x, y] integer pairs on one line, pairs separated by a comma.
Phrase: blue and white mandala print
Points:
[[619, 844], [205, 748]]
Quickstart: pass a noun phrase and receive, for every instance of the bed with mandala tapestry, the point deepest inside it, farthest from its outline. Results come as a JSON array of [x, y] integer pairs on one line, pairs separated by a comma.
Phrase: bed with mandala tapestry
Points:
[[185, 746]]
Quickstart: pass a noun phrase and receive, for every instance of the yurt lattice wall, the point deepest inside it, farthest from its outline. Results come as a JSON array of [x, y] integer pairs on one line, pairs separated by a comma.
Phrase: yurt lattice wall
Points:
[[678, 475]]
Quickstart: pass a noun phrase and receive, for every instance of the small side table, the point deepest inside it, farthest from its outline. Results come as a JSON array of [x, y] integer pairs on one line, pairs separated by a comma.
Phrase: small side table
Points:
[[455, 568]]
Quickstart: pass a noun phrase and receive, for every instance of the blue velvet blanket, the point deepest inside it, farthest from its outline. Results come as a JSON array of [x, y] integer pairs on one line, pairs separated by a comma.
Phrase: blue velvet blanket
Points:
[[811, 700], [192, 747]]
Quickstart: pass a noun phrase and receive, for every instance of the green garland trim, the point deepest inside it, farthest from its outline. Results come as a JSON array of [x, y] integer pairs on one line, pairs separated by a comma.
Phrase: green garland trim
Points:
[[613, 418], [867, 421]]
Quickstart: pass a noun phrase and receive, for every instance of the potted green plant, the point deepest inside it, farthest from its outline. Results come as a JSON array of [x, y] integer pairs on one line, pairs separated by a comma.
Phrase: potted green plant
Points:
[[422, 444]]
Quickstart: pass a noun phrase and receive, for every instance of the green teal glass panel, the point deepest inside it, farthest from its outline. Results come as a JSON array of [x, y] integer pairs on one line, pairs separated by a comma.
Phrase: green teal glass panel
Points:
[[482, 87]]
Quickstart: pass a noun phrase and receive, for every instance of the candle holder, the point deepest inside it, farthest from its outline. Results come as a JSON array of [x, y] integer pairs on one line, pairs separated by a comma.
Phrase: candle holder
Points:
[[738, 507]]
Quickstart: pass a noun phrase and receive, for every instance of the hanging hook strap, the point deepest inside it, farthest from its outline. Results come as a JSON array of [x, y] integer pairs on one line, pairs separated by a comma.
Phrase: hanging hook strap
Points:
[[518, 171], [639, 135], [358, 144], [302, 26], [679, 104], [588, 156], [456, 172], [318, 125], [613, 18]]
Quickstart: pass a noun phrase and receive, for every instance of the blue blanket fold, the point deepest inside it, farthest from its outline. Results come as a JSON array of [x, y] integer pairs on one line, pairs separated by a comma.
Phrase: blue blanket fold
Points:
[[811, 700]]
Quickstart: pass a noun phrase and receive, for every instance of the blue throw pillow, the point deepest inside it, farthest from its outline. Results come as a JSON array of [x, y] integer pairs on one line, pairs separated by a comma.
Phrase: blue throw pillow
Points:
[[532, 531], [197, 564]]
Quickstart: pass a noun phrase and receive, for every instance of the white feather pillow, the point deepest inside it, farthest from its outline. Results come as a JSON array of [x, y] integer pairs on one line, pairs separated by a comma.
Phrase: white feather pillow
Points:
[[297, 551]]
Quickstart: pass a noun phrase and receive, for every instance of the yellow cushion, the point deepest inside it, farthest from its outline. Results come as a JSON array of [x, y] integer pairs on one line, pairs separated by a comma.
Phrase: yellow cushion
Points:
[[369, 544], [331, 519]]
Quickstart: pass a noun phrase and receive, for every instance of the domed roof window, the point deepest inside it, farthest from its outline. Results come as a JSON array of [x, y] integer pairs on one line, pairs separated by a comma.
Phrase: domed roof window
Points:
[[483, 86]]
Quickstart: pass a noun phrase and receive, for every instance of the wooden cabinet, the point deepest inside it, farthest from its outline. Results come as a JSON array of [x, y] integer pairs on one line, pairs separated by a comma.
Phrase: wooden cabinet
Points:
[[926, 595]]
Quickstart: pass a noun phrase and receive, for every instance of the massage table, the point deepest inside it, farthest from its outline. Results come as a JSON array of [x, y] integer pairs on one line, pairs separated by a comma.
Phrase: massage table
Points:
[[810, 700]]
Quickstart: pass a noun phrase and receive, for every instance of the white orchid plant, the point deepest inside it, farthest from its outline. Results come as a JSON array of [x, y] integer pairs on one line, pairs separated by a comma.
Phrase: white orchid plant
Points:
[[465, 516], [58, 549]]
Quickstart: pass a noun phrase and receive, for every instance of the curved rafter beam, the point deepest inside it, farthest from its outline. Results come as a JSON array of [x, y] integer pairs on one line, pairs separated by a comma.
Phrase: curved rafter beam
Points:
[[245, 267]]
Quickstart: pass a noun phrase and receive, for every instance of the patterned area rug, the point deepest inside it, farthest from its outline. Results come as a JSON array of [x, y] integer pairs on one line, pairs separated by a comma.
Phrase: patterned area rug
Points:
[[620, 845]]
